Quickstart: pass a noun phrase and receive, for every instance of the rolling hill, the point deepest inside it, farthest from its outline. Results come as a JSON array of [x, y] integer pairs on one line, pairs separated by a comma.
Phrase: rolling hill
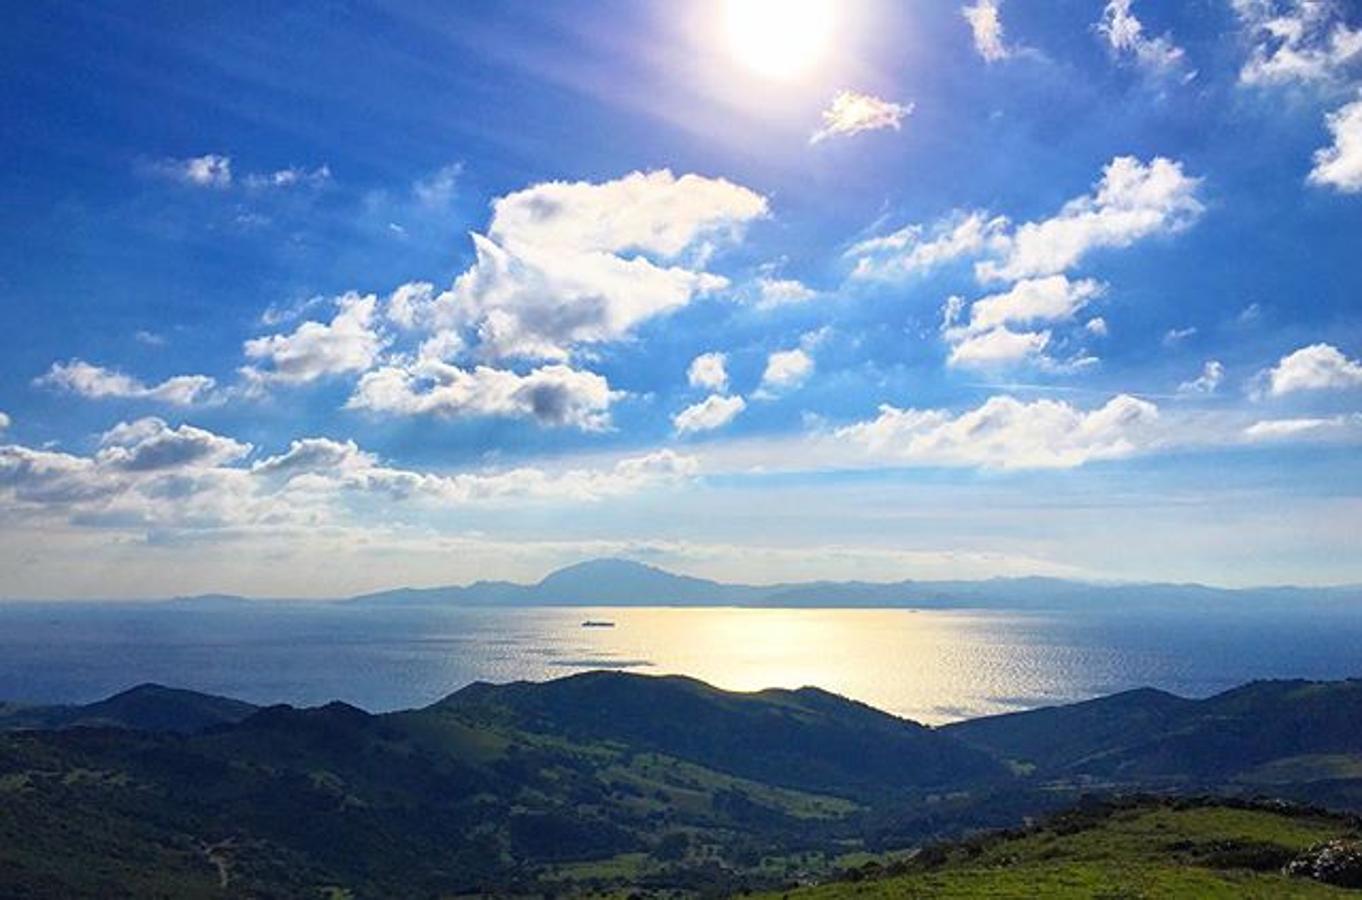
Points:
[[489, 789], [606, 780], [1240, 736], [807, 739], [146, 707]]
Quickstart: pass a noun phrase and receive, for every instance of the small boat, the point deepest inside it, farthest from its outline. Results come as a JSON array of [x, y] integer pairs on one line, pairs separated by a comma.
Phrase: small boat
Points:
[[597, 623]]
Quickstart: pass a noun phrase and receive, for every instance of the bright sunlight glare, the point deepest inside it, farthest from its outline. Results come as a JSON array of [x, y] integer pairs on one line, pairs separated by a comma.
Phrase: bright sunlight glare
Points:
[[779, 38]]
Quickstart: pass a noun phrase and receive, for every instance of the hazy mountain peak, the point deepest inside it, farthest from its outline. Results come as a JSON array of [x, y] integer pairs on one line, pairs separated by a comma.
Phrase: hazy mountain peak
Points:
[[612, 569], [607, 581]]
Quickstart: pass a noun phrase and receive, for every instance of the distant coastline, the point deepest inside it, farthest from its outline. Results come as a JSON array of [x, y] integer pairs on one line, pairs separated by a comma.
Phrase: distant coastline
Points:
[[625, 583]]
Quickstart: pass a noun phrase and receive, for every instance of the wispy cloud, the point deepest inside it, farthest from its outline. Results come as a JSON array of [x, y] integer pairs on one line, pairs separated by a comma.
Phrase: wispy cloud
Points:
[[852, 113], [1126, 37], [208, 171], [1296, 41], [1208, 382], [986, 26]]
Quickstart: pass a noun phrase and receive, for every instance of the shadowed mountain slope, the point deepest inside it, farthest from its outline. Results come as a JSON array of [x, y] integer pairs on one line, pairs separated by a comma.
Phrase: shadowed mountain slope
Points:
[[807, 738], [1149, 734], [147, 707]]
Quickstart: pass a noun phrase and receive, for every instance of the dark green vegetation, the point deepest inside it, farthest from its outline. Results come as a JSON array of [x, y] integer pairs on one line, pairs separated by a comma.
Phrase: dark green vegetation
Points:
[[1139, 848], [598, 779], [607, 781], [1297, 739], [147, 707]]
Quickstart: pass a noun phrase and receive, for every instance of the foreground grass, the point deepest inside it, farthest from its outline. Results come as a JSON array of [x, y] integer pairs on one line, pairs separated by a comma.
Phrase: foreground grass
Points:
[[1147, 850]]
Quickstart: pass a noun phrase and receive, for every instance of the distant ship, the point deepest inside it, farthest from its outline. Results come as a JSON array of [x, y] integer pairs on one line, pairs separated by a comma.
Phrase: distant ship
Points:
[[597, 623]]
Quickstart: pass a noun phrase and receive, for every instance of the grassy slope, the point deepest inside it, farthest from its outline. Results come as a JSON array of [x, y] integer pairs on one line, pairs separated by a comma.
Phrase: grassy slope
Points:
[[1148, 850]]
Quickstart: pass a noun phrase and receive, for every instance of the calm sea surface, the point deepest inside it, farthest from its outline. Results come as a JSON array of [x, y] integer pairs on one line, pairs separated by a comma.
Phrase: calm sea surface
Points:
[[933, 666]]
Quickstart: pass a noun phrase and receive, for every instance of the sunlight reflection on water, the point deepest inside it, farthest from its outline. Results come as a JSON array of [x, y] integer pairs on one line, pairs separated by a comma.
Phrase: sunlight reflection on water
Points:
[[930, 666], [933, 666]]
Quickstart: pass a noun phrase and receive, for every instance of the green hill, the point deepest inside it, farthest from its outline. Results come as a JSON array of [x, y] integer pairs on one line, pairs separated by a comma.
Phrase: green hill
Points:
[[1271, 732], [1140, 849], [605, 781], [147, 707], [496, 788], [807, 739]]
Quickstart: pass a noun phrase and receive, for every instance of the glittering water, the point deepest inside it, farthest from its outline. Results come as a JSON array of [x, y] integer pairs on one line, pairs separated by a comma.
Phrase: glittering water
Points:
[[933, 666]]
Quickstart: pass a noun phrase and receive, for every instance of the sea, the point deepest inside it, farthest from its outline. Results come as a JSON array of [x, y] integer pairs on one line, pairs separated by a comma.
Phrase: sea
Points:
[[932, 666]]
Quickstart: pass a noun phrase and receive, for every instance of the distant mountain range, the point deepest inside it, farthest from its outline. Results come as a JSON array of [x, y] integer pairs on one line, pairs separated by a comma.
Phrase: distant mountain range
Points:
[[602, 781], [619, 582]]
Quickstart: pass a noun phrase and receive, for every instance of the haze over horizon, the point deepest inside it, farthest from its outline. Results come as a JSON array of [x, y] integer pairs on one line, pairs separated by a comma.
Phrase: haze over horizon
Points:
[[631, 582], [367, 297]]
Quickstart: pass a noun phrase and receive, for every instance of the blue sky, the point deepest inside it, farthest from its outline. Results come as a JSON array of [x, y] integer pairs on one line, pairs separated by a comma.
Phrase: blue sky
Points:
[[308, 302]]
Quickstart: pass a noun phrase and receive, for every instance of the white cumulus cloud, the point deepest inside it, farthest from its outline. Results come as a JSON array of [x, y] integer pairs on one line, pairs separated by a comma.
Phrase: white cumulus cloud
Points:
[[786, 369], [96, 382], [997, 347], [773, 292], [1051, 299], [147, 476], [315, 455], [151, 444], [852, 112], [715, 411], [988, 337], [1008, 433], [569, 264], [1133, 200], [350, 342], [1340, 165], [709, 370], [553, 395], [1314, 368]]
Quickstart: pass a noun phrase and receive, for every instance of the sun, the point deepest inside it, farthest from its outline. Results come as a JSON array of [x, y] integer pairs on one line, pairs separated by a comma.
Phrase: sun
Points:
[[779, 38]]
